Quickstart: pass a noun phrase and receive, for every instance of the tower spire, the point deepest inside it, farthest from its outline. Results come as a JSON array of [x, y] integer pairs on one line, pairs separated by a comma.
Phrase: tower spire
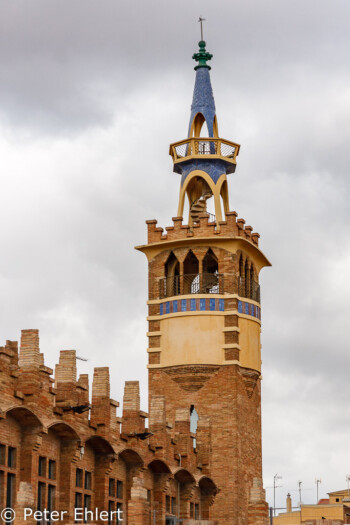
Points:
[[204, 159]]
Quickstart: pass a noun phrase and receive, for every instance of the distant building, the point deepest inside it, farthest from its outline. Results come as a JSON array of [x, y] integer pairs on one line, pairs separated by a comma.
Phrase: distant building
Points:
[[334, 510]]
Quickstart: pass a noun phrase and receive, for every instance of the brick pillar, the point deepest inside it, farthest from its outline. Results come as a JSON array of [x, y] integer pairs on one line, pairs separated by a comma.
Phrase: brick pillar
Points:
[[157, 424], [30, 445], [203, 443], [66, 379], [25, 500], [186, 493], [138, 506], [101, 405], [258, 509], [132, 420], [207, 499], [157, 413], [181, 277], [83, 396], [161, 485], [182, 434], [29, 352], [67, 466], [29, 362], [103, 468]]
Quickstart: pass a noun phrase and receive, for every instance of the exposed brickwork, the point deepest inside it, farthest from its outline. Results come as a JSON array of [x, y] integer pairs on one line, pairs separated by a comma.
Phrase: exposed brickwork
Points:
[[231, 354], [39, 423], [226, 398], [231, 227], [229, 437], [228, 267]]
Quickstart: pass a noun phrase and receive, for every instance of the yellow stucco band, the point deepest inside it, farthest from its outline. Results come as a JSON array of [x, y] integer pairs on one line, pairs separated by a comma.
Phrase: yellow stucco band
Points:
[[249, 342], [196, 339], [188, 338]]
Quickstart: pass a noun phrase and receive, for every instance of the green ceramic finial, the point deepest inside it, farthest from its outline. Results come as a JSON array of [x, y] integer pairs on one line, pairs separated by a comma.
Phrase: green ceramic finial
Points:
[[202, 56]]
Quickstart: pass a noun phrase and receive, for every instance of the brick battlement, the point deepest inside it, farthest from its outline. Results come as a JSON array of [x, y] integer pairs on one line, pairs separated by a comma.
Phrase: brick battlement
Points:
[[57, 418], [232, 227]]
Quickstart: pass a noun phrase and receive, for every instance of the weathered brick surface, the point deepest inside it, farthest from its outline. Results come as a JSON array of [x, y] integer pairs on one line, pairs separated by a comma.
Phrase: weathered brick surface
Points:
[[231, 227], [39, 421], [226, 398], [231, 450], [159, 471]]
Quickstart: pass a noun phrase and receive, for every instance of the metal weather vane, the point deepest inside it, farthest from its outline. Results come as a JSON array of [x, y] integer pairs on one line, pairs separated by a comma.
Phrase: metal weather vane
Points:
[[201, 20]]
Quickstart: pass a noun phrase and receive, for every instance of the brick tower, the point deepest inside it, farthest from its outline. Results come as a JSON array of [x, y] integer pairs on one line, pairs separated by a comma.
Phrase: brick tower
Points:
[[204, 318]]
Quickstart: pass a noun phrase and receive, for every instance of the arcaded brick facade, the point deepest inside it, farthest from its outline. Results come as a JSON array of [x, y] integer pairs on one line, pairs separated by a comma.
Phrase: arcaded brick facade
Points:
[[53, 457]]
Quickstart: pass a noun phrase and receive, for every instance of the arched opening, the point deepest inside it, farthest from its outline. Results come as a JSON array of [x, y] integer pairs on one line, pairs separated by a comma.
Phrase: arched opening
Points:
[[25, 417], [65, 431], [172, 266], [247, 279], [208, 491], [156, 476], [59, 448], [185, 487], [210, 262], [210, 277], [251, 282], [225, 197], [254, 285], [159, 467], [198, 193], [133, 463], [191, 274], [197, 126], [131, 457], [241, 279], [193, 423], [101, 446], [172, 276]]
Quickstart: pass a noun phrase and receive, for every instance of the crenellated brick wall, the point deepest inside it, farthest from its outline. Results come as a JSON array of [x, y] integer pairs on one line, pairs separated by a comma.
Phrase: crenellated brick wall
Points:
[[230, 227], [63, 425]]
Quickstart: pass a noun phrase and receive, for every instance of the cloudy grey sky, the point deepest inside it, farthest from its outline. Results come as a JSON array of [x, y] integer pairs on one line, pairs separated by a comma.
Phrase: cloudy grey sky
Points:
[[91, 95]]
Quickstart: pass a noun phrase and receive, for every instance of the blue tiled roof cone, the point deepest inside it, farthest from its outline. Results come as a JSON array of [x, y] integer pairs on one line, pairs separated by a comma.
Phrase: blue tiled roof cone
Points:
[[203, 159], [203, 98]]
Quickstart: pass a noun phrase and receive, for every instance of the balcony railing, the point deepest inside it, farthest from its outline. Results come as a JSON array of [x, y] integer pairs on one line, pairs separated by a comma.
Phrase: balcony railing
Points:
[[197, 283], [204, 147], [248, 289], [207, 283]]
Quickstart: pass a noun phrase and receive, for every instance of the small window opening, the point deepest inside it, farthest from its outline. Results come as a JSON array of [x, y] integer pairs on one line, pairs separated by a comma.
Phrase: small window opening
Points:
[[191, 274], [193, 423], [172, 276], [210, 279]]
